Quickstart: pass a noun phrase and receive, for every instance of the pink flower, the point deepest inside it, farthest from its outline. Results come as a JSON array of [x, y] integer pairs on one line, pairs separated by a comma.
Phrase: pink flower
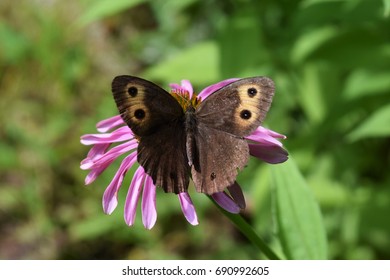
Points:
[[115, 138]]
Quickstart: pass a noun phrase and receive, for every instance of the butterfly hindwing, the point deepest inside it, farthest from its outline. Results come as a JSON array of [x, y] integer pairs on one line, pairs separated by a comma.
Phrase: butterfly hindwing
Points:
[[162, 155], [220, 158]]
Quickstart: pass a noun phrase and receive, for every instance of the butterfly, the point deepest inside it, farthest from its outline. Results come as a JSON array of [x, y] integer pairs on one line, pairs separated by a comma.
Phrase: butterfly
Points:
[[179, 138]]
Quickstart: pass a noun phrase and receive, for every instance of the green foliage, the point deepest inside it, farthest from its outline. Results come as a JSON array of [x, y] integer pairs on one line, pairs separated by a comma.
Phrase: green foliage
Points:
[[298, 215], [374, 126], [330, 61], [175, 68], [105, 8]]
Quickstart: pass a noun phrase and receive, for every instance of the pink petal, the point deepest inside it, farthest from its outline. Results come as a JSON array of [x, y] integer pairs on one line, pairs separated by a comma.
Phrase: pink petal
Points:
[[94, 173], [268, 153], [110, 196], [121, 134], [237, 195], [176, 88], [267, 147], [110, 123], [263, 130], [133, 196], [109, 156], [264, 139], [210, 89], [149, 213], [183, 88], [97, 150], [188, 208], [186, 85], [226, 202]]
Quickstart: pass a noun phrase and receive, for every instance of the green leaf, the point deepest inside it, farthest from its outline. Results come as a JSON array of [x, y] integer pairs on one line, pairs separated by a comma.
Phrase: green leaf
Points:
[[386, 4], [309, 42], [198, 63], [104, 8], [240, 42], [312, 93], [377, 125], [14, 46], [364, 83], [342, 47], [298, 215]]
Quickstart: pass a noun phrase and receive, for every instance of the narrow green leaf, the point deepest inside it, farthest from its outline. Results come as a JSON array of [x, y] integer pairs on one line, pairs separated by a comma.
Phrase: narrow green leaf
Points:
[[298, 215], [377, 125], [241, 35], [386, 4], [312, 93], [104, 8], [198, 63]]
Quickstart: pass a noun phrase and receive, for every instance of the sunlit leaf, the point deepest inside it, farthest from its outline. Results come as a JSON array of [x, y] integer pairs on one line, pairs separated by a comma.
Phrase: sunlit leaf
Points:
[[104, 8], [386, 4], [377, 125], [298, 215], [311, 92], [363, 83], [198, 63], [310, 42], [352, 47]]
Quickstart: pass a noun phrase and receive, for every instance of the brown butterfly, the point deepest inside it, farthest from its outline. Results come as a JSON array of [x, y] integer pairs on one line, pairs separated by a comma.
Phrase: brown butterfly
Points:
[[204, 140]]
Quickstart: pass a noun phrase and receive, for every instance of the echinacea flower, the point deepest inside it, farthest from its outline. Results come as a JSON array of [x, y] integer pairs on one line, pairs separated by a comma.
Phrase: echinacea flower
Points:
[[115, 138]]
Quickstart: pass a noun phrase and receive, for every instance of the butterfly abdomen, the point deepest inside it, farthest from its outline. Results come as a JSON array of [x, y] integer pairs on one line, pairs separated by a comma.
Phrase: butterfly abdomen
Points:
[[190, 124]]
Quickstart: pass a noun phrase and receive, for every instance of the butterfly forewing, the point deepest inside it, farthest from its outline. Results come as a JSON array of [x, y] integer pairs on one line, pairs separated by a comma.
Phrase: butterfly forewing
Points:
[[238, 108], [156, 118], [143, 105]]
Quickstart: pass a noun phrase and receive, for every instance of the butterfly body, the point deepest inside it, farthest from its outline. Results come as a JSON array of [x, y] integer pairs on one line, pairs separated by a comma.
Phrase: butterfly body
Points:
[[204, 140]]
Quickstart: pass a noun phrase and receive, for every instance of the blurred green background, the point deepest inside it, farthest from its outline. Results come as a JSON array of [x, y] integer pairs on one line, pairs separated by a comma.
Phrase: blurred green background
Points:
[[330, 61]]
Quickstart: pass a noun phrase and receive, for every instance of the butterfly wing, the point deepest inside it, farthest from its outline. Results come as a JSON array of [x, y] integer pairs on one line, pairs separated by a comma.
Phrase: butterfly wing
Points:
[[156, 119], [238, 108], [223, 154], [224, 118]]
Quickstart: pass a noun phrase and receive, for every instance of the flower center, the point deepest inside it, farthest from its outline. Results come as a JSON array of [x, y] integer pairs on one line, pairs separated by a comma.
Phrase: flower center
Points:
[[183, 97]]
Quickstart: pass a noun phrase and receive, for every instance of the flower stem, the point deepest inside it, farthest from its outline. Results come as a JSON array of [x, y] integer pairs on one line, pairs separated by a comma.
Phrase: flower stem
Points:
[[249, 232]]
